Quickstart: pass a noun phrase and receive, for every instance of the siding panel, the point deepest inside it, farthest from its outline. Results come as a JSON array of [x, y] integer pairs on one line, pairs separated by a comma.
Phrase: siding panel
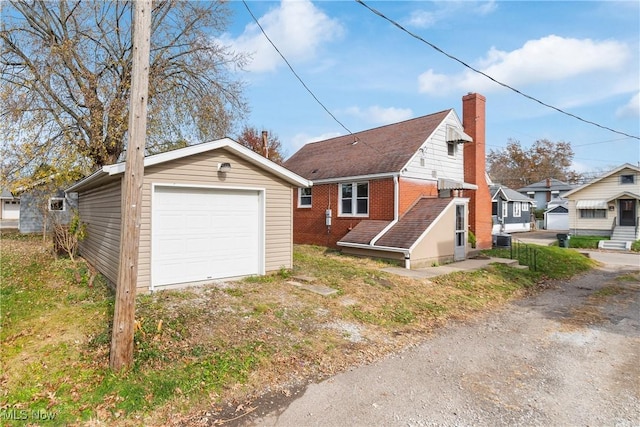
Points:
[[100, 209], [201, 170]]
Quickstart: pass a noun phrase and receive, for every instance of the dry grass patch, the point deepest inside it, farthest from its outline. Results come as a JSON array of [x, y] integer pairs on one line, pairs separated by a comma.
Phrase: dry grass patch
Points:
[[203, 348]]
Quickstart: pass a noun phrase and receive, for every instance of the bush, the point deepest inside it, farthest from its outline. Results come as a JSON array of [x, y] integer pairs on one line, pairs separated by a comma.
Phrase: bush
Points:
[[67, 237]]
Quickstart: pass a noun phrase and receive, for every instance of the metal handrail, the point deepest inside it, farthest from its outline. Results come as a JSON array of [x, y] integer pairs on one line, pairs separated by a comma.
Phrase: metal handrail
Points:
[[524, 253]]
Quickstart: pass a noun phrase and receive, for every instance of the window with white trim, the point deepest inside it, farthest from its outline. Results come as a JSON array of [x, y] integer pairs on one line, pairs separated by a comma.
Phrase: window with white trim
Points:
[[593, 213], [304, 197], [451, 148], [516, 209], [57, 204], [354, 199], [627, 179], [505, 209], [525, 207]]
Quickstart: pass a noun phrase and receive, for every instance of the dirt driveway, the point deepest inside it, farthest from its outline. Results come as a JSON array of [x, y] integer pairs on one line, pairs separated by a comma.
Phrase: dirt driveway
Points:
[[567, 357]]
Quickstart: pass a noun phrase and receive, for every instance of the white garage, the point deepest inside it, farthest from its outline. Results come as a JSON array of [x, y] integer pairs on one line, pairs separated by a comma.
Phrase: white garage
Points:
[[215, 210], [202, 234], [10, 209], [557, 218]]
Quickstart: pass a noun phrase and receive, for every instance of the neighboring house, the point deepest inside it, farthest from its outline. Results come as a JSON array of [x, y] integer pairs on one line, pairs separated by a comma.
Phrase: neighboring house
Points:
[[209, 211], [10, 208], [544, 191], [42, 207], [608, 205], [556, 217], [511, 211], [408, 191]]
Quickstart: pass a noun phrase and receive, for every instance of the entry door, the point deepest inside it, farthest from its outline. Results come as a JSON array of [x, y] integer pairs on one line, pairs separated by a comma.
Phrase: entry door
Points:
[[460, 249], [627, 212]]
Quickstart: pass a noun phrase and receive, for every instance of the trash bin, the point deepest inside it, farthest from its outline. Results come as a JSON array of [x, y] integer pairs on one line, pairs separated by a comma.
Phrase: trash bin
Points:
[[563, 240]]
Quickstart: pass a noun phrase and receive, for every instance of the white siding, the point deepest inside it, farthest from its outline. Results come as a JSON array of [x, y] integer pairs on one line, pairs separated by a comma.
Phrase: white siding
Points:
[[432, 161], [605, 189]]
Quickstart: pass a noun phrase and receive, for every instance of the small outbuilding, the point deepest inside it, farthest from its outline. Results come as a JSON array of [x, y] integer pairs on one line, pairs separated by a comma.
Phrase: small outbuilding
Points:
[[209, 211]]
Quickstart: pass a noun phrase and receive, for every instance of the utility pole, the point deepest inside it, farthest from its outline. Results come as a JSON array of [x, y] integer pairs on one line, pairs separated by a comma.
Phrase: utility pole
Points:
[[121, 356]]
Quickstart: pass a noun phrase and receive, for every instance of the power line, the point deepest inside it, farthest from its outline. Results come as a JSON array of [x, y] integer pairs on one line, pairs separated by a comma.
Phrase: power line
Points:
[[293, 71], [380, 14]]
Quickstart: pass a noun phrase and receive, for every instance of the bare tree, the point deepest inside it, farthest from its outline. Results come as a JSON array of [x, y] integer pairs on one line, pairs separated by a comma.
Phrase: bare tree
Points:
[[516, 167], [66, 73], [254, 140]]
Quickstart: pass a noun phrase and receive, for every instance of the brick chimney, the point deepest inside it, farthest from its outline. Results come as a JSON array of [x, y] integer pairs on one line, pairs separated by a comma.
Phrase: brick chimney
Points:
[[473, 121]]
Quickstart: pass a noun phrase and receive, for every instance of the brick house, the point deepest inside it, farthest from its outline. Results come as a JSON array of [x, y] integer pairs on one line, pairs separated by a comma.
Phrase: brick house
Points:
[[408, 191]]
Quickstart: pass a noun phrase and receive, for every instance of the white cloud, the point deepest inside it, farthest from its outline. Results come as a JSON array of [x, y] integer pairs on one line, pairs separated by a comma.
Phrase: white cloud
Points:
[[296, 27], [422, 18], [380, 115], [486, 7], [301, 139], [631, 109], [551, 58]]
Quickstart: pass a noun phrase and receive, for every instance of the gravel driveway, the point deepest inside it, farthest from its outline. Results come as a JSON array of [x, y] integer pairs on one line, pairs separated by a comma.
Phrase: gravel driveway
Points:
[[567, 357]]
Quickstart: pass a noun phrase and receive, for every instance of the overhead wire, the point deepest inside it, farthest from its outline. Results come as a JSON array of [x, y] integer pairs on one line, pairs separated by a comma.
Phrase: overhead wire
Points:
[[396, 24], [293, 71]]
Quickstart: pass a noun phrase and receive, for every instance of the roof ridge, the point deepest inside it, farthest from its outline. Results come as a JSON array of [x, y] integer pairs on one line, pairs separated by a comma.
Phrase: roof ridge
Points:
[[381, 126]]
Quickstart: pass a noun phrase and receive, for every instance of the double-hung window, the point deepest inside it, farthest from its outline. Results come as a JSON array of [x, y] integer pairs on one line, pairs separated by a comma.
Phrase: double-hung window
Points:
[[354, 199], [304, 197], [516, 209]]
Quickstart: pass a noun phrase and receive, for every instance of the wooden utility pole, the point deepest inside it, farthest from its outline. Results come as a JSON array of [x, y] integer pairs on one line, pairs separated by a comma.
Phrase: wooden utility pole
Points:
[[121, 356]]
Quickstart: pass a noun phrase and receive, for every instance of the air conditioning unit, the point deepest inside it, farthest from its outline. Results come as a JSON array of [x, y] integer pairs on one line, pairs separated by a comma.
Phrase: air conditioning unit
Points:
[[502, 240]]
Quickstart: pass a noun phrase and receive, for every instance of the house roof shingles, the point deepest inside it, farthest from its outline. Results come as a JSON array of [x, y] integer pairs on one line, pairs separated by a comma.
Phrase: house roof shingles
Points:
[[413, 223], [555, 185], [386, 149], [406, 231], [364, 231]]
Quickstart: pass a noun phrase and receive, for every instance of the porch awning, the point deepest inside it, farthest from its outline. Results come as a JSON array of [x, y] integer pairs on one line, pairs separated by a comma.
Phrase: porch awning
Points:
[[450, 184], [591, 204]]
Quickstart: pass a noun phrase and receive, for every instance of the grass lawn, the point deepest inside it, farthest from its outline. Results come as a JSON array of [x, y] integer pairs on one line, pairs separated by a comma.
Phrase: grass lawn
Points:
[[204, 348]]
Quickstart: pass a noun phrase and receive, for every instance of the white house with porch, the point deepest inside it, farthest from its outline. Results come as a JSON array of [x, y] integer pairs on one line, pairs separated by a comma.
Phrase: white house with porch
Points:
[[608, 206]]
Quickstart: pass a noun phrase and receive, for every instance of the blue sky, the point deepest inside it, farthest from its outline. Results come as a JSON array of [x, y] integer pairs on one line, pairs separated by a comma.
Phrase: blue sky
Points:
[[580, 56]]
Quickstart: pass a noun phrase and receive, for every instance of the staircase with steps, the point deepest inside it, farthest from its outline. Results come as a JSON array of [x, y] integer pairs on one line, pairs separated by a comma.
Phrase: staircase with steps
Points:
[[621, 239]]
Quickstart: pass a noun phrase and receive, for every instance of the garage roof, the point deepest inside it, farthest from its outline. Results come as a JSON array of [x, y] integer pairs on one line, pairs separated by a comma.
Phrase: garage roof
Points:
[[227, 143]]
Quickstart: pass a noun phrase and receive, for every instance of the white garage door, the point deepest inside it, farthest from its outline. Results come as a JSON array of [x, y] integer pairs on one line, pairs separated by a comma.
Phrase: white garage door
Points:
[[10, 209], [202, 234], [557, 221]]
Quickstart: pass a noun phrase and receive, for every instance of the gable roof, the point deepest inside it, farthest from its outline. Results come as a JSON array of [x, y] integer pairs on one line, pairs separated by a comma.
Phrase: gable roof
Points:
[[508, 194], [226, 143], [554, 185], [379, 151], [606, 175]]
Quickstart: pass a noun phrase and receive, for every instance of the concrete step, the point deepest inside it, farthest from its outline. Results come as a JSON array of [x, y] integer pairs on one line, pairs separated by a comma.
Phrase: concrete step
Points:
[[618, 245], [624, 233]]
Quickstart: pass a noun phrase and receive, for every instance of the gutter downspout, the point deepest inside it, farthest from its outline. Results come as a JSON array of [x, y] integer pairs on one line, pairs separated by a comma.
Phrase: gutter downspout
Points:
[[396, 215]]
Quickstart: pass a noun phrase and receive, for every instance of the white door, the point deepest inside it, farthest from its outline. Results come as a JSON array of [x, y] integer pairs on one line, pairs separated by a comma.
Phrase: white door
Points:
[[10, 209], [203, 234]]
